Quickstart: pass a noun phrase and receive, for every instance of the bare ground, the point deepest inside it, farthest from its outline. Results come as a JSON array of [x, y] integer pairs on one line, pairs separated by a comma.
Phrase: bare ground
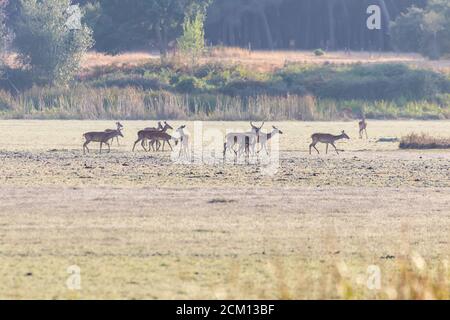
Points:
[[140, 226]]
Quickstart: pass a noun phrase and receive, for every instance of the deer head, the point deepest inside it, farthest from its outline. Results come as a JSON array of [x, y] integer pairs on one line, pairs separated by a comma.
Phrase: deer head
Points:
[[119, 125], [167, 126], [344, 135], [180, 130], [276, 130]]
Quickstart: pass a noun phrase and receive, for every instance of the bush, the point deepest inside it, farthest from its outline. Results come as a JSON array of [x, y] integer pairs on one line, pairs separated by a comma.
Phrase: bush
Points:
[[423, 141], [319, 52]]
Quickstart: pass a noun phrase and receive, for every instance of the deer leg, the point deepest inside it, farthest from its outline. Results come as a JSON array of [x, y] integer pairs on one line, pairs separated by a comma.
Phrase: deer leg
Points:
[[335, 148], [367, 137], [101, 144], [326, 150], [313, 145], [109, 146], [168, 142], [117, 138], [134, 146], [85, 146]]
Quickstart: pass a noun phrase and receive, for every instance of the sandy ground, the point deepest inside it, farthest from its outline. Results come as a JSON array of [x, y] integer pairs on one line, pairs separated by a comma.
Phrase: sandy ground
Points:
[[139, 225]]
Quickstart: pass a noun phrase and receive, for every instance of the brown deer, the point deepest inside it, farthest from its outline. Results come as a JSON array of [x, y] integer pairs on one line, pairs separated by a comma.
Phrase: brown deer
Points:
[[326, 138], [119, 127], [161, 129], [153, 136], [362, 127], [103, 137]]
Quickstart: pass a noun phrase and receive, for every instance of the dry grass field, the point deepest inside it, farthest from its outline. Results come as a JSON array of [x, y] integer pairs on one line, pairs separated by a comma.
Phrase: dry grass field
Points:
[[267, 61], [141, 226]]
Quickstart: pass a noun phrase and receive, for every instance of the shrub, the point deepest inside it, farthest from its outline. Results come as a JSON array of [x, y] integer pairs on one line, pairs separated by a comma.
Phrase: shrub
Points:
[[319, 52], [423, 141]]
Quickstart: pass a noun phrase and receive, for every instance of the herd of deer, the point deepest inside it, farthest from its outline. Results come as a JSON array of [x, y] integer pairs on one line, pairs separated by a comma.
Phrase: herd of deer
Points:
[[237, 142]]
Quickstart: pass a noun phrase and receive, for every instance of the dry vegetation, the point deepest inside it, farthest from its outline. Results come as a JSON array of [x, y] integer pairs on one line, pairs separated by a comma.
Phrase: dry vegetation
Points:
[[268, 61], [140, 226], [424, 141]]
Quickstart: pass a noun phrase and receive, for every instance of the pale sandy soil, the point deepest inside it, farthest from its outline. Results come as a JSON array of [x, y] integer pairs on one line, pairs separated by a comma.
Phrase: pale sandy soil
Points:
[[141, 226]]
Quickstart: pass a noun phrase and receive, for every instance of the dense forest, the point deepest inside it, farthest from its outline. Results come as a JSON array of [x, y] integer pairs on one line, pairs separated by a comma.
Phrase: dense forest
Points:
[[262, 24], [304, 24]]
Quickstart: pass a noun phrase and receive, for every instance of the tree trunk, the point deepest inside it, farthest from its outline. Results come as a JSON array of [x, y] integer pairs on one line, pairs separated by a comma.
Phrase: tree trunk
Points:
[[161, 35]]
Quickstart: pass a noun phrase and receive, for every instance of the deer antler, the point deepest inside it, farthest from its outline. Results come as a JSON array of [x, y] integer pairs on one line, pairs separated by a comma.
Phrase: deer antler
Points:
[[262, 125]]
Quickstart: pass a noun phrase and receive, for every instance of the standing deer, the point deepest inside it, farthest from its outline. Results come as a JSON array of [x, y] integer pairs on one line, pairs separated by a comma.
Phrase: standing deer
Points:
[[160, 129], [153, 136], [264, 137], [184, 142], [119, 127], [362, 127], [103, 137], [242, 139], [326, 138]]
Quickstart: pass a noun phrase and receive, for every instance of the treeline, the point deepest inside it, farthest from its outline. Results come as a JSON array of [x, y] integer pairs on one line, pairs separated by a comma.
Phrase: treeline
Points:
[[48, 51], [412, 25]]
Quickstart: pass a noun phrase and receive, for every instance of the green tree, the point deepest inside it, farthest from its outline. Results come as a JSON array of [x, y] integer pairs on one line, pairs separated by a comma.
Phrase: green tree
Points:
[[47, 43], [192, 43], [424, 30], [5, 37]]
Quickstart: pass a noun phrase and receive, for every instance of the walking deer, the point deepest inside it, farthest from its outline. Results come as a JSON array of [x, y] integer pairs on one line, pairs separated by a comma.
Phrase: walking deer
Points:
[[362, 127], [326, 138], [153, 136], [160, 129], [119, 127], [103, 137]]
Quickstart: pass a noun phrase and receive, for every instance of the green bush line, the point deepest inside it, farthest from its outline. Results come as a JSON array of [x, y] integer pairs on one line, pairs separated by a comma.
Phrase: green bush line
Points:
[[234, 92]]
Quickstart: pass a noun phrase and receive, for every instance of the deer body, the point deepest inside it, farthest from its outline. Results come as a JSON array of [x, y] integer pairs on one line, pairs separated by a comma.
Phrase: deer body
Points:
[[103, 137], [362, 127], [119, 127], [245, 140], [153, 136], [327, 139], [184, 142], [263, 138], [150, 134]]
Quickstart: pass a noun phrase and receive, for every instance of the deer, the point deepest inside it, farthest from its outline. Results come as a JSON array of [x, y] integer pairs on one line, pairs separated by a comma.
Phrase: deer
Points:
[[326, 138], [243, 139], [103, 137], [154, 136], [160, 129], [362, 127], [119, 127], [184, 142], [263, 138]]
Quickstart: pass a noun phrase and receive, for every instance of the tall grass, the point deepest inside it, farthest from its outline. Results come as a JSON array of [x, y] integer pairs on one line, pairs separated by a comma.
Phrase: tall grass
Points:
[[132, 103]]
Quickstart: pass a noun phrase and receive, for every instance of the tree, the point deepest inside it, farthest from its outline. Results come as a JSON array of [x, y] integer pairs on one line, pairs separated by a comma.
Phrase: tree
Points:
[[192, 42], [424, 30], [5, 37], [47, 43]]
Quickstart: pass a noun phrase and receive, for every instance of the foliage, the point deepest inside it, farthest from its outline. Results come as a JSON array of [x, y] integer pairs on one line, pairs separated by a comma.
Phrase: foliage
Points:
[[5, 37], [192, 42], [319, 52], [424, 30], [45, 42]]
